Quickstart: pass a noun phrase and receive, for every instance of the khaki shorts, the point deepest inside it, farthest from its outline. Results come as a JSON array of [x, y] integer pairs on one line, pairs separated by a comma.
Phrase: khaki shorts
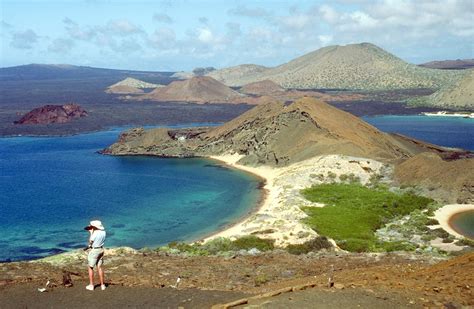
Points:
[[95, 257]]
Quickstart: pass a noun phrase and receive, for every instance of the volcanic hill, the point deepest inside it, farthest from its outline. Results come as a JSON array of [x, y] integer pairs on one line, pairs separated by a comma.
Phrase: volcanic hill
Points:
[[130, 86], [199, 89], [53, 114], [264, 87], [274, 134], [356, 66]]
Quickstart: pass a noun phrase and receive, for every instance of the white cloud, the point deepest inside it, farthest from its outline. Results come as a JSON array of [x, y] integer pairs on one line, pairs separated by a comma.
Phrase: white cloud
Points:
[[24, 39], [162, 18], [163, 38], [325, 39], [122, 27], [242, 10], [61, 46], [205, 35]]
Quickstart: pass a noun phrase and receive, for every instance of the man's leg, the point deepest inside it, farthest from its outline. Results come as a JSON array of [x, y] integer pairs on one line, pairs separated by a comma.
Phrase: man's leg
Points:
[[91, 275], [100, 270]]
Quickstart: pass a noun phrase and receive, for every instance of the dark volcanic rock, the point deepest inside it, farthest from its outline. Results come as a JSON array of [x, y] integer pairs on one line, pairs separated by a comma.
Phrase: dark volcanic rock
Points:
[[53, 114]]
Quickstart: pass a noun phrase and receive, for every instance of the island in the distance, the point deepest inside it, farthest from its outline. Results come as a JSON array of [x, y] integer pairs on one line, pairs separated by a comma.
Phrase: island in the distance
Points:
[[48, 114]]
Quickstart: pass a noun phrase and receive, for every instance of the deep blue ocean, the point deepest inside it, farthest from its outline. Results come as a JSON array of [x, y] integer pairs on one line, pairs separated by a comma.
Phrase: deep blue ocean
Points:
[[455, 132], [50, 188]]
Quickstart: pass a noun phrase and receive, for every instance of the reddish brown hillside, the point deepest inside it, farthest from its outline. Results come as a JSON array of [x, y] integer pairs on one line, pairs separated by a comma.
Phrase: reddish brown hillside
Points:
[[264, 87], [200, 89], [53, 114], [444, 179]]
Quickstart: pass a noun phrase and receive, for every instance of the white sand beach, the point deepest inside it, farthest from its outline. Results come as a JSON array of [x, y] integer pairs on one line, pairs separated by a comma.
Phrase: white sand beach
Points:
[[279, 216], [446, 212]]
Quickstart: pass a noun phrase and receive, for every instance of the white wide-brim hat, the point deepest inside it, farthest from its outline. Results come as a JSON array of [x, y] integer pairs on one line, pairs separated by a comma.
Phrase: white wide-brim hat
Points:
[[97, 224]]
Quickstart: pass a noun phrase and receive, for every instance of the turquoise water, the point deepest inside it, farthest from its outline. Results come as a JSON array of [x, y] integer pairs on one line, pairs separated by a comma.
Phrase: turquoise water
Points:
[[445, 131], [463, 223], [51, 187]]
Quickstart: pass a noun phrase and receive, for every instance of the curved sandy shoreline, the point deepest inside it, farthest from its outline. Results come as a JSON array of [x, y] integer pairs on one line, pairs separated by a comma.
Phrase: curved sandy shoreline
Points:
[[444, 214], [279, 215]]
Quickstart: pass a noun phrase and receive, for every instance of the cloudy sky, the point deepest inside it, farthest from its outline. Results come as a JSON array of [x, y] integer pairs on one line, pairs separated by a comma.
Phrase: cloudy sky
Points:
[[184, 34]]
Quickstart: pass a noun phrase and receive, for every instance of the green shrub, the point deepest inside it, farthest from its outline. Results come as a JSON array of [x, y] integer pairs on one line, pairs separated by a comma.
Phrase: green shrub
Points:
[[397, 246], [261, 279], [349, 178], [249, 242], [355, 245], [315, 244], [465, 242], [432, 221], [217, 245], [439, 232]]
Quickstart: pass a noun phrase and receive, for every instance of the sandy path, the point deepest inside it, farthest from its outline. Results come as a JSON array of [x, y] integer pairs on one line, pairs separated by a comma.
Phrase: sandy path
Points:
[[115, 296]]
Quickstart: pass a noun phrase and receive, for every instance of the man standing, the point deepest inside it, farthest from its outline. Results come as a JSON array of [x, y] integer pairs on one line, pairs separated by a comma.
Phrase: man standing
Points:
[[96, 253]]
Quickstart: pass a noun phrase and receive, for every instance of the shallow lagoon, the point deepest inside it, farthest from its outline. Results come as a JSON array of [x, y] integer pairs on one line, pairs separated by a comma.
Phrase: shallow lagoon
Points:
[[51, 187]]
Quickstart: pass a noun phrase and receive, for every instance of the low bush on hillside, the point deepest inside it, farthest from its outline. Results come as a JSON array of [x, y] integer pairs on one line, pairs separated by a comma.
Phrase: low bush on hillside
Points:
[[316, 244], [249, 242], [353, 213], [465, 242]]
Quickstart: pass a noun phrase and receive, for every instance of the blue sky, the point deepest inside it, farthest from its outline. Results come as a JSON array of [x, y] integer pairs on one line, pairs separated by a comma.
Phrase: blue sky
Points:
[[184, 34]]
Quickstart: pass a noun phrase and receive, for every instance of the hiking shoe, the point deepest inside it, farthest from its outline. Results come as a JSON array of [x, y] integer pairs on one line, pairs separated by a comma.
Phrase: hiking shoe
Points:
[[102, 287], [90, 287]]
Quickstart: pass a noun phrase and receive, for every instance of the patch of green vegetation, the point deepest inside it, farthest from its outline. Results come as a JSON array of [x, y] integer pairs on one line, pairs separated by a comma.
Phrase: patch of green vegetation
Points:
[[316, 244], [465, 242], [251, 241], [390, 246], [218, 246], [354, 212]]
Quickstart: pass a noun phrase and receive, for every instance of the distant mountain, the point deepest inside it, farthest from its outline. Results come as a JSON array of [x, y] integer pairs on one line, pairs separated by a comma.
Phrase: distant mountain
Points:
[[459, 95], [195, 72], [233, 75], [199, 89], [65, 71], [130, 86], [356, 66], [459, 64]]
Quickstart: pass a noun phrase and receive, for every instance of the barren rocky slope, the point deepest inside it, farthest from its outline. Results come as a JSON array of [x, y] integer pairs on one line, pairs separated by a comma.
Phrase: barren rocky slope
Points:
[[444, 179], [264, 87], [274, 134], [199, 89], [230, 75], [413, 278], [355, 66], [458, 96], [52, 114]]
